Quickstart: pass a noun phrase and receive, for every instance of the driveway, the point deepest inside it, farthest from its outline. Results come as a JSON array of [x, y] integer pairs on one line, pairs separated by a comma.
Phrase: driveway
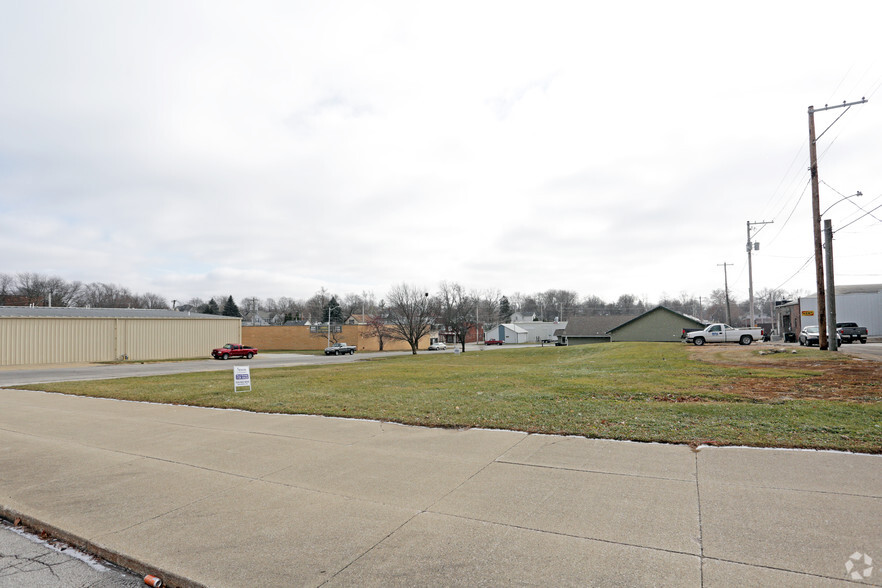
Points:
[[865, 351]]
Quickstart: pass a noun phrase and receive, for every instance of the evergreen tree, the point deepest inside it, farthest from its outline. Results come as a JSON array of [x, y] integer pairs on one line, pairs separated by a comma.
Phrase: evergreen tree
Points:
[[504, 310], [211, 307], [230, 308], [336, 311]]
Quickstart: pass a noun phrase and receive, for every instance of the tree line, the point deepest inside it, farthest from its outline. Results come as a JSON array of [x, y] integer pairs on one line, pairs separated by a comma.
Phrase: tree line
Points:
[[403, 313]]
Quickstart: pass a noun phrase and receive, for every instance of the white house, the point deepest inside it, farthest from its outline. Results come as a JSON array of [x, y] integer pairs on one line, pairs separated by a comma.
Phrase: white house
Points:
[[522, 317]]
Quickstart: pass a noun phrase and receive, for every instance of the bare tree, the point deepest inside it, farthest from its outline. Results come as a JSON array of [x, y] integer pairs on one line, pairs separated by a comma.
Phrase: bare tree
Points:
[[715, 312], [101, 295], [351, 304], [516, 301], [31, 287], [39, 290], [151, 300], [317, 306], [410, 314], [378, 329], [546, 302], [458, 310], [593, 305], [563, 301], [60, 292], [488, 305], [7, 287]]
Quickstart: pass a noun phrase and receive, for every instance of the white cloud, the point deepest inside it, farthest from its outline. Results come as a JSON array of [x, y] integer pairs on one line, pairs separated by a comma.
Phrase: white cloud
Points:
[[272, 148]]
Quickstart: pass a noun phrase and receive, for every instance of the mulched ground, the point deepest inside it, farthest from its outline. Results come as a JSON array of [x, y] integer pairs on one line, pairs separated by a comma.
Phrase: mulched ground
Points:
[[837, 378]]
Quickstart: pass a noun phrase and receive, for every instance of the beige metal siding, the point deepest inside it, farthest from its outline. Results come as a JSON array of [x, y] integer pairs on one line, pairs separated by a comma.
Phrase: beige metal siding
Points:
[[31, 341], [42, 340], [176, 338]]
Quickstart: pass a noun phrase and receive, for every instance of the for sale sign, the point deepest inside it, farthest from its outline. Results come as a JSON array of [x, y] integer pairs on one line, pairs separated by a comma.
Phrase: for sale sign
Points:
[[241, 377]]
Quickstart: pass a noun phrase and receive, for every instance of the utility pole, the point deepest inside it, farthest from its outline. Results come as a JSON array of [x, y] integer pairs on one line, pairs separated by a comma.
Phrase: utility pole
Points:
[[750, 248], [831, 286], [816, 217], [726, 282]]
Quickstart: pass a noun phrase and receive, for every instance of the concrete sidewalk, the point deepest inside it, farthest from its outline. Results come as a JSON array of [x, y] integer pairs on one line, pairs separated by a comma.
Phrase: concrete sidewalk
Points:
[[226, 498]]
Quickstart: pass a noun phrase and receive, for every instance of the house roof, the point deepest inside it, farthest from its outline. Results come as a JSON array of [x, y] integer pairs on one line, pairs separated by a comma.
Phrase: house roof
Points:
[[593, 326], [515, 328], [73, 312], [656, 309]]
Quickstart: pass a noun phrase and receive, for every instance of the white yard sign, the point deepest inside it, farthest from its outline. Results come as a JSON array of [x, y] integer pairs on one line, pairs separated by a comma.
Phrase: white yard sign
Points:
[[241, 377]]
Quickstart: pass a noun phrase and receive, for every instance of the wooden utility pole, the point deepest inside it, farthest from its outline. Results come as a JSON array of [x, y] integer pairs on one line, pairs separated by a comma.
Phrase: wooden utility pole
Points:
[[816, 218], [726, 282], [750, 247], [816, 227]]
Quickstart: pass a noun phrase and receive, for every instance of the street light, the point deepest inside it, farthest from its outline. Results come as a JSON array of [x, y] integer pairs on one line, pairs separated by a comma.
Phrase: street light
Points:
[[843, 199], [329, 322]]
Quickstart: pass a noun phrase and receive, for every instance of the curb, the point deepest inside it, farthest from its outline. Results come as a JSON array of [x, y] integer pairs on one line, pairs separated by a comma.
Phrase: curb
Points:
[[133, 565]]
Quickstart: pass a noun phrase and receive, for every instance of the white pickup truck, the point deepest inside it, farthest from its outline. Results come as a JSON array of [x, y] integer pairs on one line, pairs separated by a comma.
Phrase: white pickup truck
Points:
[[720, 333]]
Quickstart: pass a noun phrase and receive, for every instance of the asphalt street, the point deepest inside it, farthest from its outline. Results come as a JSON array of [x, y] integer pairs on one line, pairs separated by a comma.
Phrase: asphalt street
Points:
[[38, 375], [66, 373], [26, 561]]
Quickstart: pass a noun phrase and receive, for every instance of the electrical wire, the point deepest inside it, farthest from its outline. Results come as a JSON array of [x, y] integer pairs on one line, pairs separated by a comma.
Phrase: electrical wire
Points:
[[802, 267], [858, 218], [874, 88], [781, 230]]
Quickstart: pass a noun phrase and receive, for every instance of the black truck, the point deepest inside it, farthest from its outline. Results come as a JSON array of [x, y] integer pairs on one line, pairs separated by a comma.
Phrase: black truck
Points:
[[851, 332]]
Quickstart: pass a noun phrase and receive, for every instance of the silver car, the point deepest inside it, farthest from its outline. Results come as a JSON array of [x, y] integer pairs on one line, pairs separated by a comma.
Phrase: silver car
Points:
[[439, 346], [809, 336]]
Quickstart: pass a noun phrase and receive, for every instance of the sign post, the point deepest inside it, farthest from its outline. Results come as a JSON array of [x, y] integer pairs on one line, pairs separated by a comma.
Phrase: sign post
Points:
[[241, 377]]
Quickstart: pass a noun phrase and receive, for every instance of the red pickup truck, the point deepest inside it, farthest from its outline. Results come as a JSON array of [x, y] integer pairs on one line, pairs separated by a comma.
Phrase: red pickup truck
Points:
[[233, 350]]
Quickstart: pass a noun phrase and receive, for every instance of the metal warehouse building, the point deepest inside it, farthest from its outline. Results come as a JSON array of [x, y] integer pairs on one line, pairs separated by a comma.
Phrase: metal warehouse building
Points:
[[861, 304], [40, 335]]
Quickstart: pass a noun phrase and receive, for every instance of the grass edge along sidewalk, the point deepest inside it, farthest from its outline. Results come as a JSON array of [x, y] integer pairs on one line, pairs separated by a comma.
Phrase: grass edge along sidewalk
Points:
[[632, 391]]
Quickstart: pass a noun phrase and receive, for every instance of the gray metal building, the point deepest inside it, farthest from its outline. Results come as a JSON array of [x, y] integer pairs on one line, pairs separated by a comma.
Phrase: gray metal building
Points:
[[861, 304], [41, 335]]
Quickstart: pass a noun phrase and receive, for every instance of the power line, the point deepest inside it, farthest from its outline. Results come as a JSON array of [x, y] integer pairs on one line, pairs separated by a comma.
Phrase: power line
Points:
[[859, 218], [802, 267], [789, 216]]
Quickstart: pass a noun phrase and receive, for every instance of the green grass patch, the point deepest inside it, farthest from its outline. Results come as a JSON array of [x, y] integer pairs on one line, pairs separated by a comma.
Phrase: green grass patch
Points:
[[636, 391]]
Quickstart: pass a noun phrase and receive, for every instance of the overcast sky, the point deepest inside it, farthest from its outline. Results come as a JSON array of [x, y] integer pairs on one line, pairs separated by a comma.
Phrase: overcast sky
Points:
[[274, 148]]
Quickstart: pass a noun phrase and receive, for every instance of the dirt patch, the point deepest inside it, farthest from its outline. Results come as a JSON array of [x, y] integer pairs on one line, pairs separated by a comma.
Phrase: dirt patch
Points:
[[678, 398], [815, 374]]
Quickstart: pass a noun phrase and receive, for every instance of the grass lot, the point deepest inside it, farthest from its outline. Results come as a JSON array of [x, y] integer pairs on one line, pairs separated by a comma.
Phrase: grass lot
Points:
[[726, 395]]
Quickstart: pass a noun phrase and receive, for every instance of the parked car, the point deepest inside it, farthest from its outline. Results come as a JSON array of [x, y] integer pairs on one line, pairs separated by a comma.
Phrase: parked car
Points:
[[809, 336], [849, 332], [493, 342], [233, 350], [340, 349], [439, 346]]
